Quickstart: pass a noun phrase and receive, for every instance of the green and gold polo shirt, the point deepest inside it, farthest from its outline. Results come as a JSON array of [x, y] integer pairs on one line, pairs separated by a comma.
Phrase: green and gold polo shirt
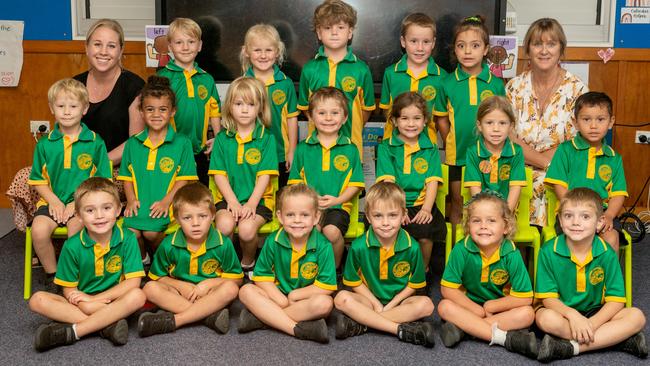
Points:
[[398, 79], [291, 268], [352, 76], [197, 101], [384, 272], [242, 160], [153, 170], [411, 167], [483, 278], [215, 258], [62, 163], [340, 167], [577, 164], [463, 93], [495, 172], [282, 99], [93, 268], [582, 285]]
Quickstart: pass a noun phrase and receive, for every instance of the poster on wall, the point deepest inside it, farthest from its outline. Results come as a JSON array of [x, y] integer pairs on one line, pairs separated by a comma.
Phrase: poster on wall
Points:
[[502, 56], [11, 52], [157, 52], [632, 24], [636, 15]]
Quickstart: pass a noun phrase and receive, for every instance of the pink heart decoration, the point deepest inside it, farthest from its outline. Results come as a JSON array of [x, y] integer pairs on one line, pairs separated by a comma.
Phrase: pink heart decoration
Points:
[[606, 55]]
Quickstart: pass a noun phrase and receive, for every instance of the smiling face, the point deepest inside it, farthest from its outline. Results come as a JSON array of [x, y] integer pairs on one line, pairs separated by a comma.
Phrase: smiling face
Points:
[[593, 122], [68, 110], [386, 220], [328, 116], [263, 54], [495, 128], [195, 221], [470, 50], [185, 47], [156, 112], [298, 217], [487, 227], [103, 49], [98, 212], [335, 36], [579, 221], [418, 43], [410, 124], [545, 52]]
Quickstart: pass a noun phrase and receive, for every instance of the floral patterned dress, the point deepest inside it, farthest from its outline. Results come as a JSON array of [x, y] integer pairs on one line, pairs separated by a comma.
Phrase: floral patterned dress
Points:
[[545, 131]]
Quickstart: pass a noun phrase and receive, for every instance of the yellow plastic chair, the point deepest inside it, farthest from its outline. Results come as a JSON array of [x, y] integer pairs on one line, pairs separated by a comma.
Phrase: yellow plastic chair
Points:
[[356, 228], [548, 233]]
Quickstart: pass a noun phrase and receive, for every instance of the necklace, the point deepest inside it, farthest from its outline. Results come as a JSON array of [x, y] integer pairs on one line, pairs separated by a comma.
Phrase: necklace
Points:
[[100, 88], [544, 92]]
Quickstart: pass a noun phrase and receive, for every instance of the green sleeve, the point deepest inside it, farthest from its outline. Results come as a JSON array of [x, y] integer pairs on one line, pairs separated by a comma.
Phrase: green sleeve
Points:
[[326, 278], [102, 163], [131, 260], [229, 262], [298, 164], [269, 163], [453, 275], [519, 278], [368, 90], [292, 101], [434, 172], [442, 94], [614, 284], [303, 87], [518, 168], [557, 172], [263, 271], [417, 277], [126, 160], [499, 88], [386, 98], [67, 268], [161, 261], [545, 283], [619, 186], [351, 270], [440, 100], [187, 162], [357, 171], [214, 93], [472, 175], [218, 154], [385, 165], [39, 162]]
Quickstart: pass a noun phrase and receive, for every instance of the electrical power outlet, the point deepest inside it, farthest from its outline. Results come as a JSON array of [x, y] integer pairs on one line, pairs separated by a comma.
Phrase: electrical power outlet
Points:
[[642, 137], [39, 126]]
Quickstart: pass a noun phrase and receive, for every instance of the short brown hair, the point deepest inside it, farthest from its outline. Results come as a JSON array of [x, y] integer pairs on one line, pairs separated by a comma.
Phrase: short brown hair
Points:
[[331, 12], [583, 195], [593, 98], [157, 87], [506, 214], [495, 103], [73, 87], [328, 92], [110, 24], [419, 19], [541, 26], [250, 90], [477, 23], [297, 190], [192, 194], [386, 192], [92, 185], [185, 25], [406, 100]]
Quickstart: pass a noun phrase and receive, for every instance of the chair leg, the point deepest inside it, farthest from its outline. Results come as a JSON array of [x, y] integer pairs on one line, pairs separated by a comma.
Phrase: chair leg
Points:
[[628, 275], [27, 285], [536, 247], [448, 245]]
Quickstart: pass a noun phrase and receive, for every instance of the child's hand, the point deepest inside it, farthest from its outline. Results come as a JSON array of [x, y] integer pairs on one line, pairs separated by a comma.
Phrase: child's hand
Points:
[[326, 201], [188, 291], [607, 225], [406, 220], [486, 305], [289, 161], [377, 306], [581, 328], [422, 217], [247, 212], [57, 211], [235, 209], [201, 289], [208, 146], [69, 211], [159, 209], [131, 208]]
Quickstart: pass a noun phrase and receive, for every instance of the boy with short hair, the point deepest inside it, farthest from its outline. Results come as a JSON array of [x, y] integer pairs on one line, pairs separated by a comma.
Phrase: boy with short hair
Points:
[[384, 268], [99, 269], [63, 159], [198, 104], [580, 284], [335, 65], [587, 161]]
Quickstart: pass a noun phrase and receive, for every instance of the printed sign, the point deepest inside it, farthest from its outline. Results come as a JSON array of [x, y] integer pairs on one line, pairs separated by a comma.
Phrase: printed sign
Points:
[[11, 52], [158, 54], [502, 57]]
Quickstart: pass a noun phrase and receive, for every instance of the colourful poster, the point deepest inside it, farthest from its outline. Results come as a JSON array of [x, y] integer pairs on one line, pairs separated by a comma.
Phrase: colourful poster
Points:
[[158, 54], [502, 57]]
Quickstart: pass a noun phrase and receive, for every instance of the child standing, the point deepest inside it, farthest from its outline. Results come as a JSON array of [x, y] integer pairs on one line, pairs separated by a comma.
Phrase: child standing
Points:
[[243, 160], [339, 176], [335, 65], [495, 163], [295, 274], [262, 53], [66, 157], [495, 304], [384, 268], [155, 164], [99, 269], [196, 94], [416, 71], [195, 270], [463, 91], [580, 284]]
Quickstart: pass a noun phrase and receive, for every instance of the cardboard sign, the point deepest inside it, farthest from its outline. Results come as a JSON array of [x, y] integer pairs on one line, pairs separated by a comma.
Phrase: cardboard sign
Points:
[[502, 57], [11, 52], [157, 52]]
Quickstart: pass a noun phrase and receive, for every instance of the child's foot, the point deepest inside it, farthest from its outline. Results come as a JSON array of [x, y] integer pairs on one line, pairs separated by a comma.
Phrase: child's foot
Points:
[[219, 321], [248, 322], [117, 333], [635, 345], [522, 342], [553, 348], [53, 335], [312, 330], [347, 327], [419, 333], [450, 334], [248, 270], [156, 323]]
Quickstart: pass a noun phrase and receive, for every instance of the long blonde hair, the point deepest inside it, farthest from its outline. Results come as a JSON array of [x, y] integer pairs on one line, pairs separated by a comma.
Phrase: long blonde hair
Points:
[[250, 90], [265, 32]]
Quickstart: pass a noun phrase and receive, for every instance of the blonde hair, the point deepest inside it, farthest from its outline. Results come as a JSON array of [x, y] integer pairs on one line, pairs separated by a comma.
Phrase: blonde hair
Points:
[[193, 194], [184, 25], [110, 24], [549, 26], [265, 32], [506, 214], [331, 12], [250, 90], [495, 103], [93, 185], [583, 195], [419, 19], [294, 190], [385, 192], [73, 87]]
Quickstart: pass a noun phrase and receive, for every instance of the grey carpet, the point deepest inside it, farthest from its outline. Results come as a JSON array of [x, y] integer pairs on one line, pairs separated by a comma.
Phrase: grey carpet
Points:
[[6, 221], [199, 345]]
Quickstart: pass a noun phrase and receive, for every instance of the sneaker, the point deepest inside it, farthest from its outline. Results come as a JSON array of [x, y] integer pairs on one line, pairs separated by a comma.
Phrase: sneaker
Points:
[[53, 335], [347, 327], [117, 333], [312, 330], [635, 345], [450, 334], [248, 322], [522, 342], [219, 321], [419, 333], [156, 323], [553, 348]]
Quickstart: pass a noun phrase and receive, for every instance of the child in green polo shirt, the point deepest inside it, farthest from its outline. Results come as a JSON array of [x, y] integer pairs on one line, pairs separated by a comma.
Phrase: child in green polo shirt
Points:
[[463, 91], [580, 285], [338, 177], [416, 71], [155, 164], [494, 303], [62, 160], [196, 93], [494, 162], [587, 161], [384, 268], [99, 269], [195, 270], [294, 275], [335, 65], [262, 53]]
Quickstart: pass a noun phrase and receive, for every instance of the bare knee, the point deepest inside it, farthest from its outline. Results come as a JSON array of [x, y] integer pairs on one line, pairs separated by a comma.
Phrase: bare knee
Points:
[[151, 289], [246, 292], [446, 308], [225, 223], [134, 298], [247, 230], [41, 232], [525, 316], [38, 302], [342, 300], [423, 306], [332, 233], [321, 305], [549, 321], [229, 290], [636, 317]]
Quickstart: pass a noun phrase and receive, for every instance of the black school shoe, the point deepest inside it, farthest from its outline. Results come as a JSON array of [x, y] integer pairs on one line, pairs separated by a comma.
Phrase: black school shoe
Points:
[[419, 333], [156, 323], [552, 348], [248, 322], [219, 321], [450, 334], [635, 345], [312, 330], [117, 333], [53, 335], [523, 342], [347, 327]]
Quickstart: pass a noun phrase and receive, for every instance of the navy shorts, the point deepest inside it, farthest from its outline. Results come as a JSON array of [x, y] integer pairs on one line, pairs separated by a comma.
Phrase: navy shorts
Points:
[[45, 211], [263, 211], [435, 231], [337, 217]]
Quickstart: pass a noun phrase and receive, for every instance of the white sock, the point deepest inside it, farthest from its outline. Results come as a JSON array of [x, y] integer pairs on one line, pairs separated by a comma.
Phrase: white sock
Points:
[[498, 335], [576, 347], [74, 330]]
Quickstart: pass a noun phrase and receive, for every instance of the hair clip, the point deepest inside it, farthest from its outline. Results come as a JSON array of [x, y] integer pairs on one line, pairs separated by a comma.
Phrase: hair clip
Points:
[[484, 194], [473, 19]]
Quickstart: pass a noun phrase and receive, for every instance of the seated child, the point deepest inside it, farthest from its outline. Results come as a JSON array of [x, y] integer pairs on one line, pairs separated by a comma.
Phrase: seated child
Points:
[[99, 269], [494, 303], [295, 275], [195, 270], [384, 268], [338, 177], [587, 161], [62, 160], [580, 284]]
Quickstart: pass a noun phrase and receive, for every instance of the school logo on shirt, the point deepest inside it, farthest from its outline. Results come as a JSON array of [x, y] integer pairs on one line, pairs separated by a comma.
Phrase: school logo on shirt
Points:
[[428, 93], [84, 161], [348, 84], [499, 276], [401, 268], [166, 164], [485, 167], [253, 156], [486, 94], [114, 264], [202, 91], [596, 275], [504, 172], [420, 165], [278, 97], [211, 266], [308, 270], [605, 172], [341, 163]]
